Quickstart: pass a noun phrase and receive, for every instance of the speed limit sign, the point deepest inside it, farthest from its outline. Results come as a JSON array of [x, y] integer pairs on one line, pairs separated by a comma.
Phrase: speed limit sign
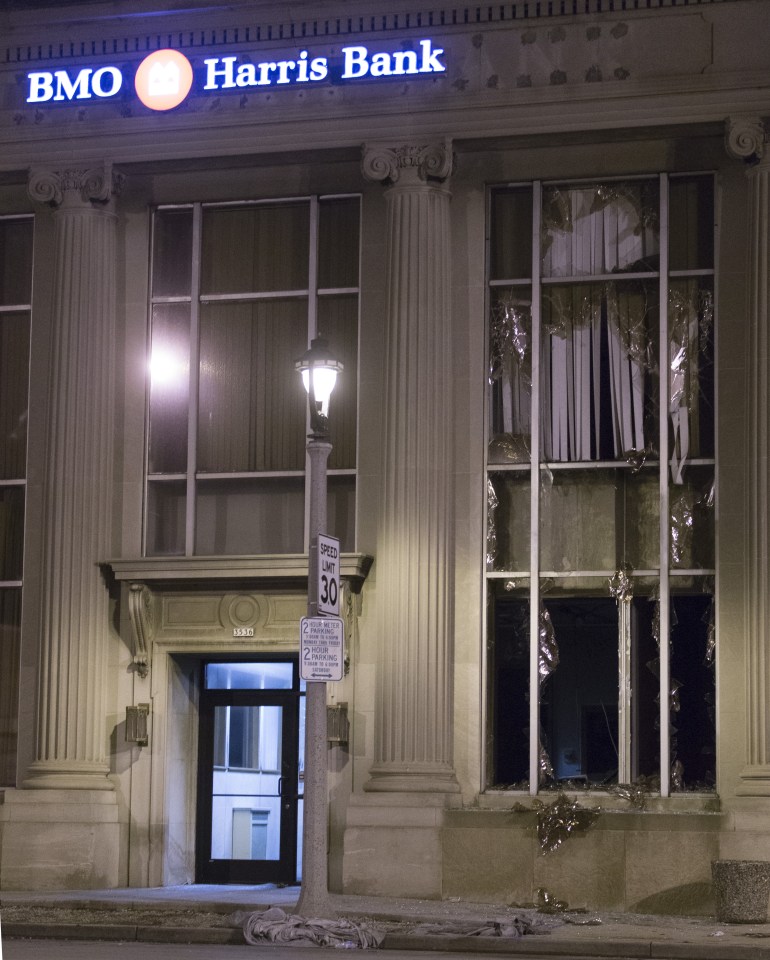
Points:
[[328, 575]]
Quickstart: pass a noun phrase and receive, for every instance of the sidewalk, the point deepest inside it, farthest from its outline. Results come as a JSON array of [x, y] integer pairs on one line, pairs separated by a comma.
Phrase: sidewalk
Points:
[[203, 914]]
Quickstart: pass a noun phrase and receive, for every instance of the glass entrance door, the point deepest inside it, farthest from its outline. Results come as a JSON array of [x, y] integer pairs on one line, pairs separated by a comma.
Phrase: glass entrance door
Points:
[[249, 773]]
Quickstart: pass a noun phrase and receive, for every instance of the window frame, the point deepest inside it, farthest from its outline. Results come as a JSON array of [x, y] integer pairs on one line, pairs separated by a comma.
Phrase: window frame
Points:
[[535, 283], [196, 299], [17, 585]]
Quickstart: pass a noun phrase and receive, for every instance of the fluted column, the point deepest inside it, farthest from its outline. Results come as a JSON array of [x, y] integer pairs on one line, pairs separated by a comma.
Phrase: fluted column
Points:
[[77, 491], [745, 140], [413, 726]]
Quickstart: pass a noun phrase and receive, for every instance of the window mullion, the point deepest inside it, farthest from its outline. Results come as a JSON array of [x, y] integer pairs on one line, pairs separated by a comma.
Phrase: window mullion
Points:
[[312, 331], [534, 541], [664, 627], [192, 417], [624, 688]]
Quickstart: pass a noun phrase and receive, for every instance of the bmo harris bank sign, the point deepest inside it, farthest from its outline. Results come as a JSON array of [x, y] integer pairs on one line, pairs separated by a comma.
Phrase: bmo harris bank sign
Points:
[[165, 78]]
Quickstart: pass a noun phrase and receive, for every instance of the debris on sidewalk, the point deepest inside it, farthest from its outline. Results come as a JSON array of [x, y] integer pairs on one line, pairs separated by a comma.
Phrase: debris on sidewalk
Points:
[[512, 927], [277, 926]]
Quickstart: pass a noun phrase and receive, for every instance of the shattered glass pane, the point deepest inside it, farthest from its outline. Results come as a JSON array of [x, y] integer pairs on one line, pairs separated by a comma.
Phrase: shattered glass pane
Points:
[[691, 372], [579, 700], [508, 523], [693, 694], [510, 376], [692, 519], [508, 757]]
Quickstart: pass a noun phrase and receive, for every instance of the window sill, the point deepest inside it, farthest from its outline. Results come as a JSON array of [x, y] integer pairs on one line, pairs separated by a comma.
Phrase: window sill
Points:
[[504, 800]]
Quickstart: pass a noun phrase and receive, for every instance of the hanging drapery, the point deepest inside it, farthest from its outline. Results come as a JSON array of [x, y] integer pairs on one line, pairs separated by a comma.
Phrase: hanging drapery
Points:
[[596, 344], [599, 229]]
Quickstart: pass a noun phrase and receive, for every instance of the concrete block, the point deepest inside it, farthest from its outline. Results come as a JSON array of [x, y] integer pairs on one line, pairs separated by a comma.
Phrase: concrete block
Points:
[[669, 872]]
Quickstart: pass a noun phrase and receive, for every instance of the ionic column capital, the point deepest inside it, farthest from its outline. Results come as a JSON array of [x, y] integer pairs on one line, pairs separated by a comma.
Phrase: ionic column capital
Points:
[[75, 186], [745, 138], [427, 162]]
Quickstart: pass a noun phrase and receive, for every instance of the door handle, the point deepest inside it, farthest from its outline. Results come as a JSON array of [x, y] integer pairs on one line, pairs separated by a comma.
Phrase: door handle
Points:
[[280, 786]]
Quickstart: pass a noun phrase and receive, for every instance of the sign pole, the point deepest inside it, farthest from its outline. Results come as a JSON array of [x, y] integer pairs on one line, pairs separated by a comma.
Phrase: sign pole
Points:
[[314, 896]]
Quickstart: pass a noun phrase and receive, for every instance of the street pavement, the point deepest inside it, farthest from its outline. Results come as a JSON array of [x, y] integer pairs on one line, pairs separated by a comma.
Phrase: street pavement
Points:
[[565, 935]]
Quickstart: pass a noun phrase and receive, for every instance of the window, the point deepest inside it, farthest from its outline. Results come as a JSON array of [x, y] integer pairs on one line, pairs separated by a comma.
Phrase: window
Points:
[[238, 290], [15, 306], [600, 484]]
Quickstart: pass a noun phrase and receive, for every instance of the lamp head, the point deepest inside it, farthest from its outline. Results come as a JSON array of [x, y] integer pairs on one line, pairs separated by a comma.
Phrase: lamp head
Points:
[[319, 371]]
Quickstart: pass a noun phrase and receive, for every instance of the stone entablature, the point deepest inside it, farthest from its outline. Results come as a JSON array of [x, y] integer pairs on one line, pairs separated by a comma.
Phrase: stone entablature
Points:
[[531, 76], [232, 603]]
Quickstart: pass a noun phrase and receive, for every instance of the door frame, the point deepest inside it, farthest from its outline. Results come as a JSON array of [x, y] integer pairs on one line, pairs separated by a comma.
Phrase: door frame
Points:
[[284, 869]]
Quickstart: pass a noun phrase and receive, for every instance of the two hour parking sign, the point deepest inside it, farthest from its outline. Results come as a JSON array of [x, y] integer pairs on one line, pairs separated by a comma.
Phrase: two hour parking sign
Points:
[[321, 648]]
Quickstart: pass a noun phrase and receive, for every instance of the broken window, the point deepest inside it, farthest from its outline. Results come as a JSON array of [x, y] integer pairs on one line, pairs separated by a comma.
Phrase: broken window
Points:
[[600, 484]]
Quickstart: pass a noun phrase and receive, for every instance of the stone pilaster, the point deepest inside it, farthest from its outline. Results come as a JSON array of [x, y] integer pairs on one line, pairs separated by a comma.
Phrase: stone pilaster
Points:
[[77, 492], [413, 738], [745, 140]]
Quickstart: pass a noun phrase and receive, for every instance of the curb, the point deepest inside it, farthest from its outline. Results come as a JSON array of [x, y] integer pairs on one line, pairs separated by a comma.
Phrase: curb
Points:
[[127, 932], [501, 946]]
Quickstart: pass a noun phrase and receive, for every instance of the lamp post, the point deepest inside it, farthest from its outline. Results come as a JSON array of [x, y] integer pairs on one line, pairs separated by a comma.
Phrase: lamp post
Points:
[[319, 373]]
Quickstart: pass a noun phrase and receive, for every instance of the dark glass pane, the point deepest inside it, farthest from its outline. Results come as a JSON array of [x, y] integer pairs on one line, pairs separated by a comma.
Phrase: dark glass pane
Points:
[[338, 229], [692, 700], [169, 388], [601, 228], [251, 400], [11, 532], [16, 262], [10, 623], [508, 760], [691, 368], [691, 223], [511, 239], [341, 511], [255, 249], [250, 516], [579, 699], [338, 323], [14, 388], [172, 253], [166, 518], [645, 689]]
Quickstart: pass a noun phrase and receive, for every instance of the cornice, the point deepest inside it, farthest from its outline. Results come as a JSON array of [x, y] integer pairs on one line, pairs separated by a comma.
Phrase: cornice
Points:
[[79, 35]]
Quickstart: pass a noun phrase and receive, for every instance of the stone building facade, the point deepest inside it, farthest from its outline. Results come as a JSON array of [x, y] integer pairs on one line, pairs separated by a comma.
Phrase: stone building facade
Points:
[[538, 236]]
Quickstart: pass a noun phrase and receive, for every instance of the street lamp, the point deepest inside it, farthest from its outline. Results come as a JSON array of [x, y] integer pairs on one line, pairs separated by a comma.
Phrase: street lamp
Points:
[[319, 372]]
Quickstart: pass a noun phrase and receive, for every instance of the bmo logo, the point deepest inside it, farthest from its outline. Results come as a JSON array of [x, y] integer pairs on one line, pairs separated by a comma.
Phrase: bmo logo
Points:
[[47, 85], [163, 79]]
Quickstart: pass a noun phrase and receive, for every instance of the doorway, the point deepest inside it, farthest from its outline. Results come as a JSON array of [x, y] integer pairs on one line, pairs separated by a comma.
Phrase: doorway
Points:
[[250, 772]]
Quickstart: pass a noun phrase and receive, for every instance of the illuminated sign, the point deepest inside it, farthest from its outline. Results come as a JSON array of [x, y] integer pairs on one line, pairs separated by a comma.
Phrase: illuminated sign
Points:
[[165, 78]]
